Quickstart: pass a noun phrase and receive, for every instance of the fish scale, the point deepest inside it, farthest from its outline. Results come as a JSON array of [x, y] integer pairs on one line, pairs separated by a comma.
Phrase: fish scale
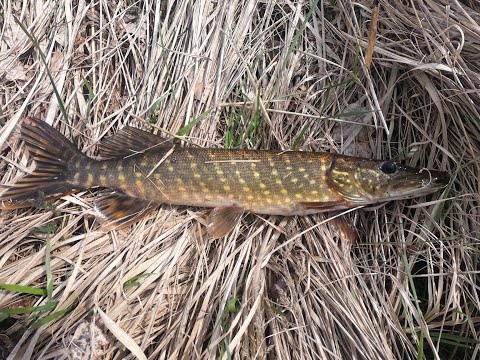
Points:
[[259, 181], [143, 171]]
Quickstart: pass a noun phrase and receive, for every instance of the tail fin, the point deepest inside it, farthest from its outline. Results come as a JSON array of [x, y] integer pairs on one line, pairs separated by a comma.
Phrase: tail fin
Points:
[[52, 152]]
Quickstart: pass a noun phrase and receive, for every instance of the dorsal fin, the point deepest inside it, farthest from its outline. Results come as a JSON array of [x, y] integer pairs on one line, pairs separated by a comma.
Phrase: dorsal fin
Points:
[[128, 141]]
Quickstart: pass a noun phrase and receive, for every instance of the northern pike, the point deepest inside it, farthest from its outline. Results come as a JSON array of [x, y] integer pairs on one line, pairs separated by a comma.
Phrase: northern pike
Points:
[[142, 172]]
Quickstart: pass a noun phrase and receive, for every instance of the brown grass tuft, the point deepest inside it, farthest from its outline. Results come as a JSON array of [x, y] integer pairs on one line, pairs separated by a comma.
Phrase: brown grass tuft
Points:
[[270, 75]]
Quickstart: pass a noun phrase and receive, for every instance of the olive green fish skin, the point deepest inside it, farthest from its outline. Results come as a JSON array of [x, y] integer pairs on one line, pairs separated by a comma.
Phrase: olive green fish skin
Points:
[[264, 182]]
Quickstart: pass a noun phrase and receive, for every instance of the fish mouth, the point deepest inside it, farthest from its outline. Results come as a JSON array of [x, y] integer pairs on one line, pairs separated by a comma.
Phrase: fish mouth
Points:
[[407, 183], [410, 183]]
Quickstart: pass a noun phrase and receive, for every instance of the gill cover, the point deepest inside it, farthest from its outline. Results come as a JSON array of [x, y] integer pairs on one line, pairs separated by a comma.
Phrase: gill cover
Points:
[[356, 180]]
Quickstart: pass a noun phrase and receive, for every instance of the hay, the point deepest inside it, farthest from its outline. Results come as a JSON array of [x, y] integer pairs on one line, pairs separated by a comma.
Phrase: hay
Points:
[[270, 75]]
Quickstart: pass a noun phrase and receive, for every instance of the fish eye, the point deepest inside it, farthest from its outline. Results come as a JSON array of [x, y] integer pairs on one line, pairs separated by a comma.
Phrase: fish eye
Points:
[[388, 167]]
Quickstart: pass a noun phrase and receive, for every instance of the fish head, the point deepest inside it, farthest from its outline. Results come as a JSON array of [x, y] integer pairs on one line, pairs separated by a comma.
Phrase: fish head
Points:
[[363, 182]]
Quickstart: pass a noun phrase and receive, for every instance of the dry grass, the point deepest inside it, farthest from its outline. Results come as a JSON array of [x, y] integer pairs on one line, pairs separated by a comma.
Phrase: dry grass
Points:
[[270, 74]]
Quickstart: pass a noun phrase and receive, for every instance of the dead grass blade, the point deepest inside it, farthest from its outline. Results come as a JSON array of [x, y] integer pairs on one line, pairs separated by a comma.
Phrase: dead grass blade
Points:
[[258, 74]]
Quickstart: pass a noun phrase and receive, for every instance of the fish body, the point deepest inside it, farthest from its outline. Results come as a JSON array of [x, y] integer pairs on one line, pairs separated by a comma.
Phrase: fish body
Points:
[[264, 182], [143, 172]]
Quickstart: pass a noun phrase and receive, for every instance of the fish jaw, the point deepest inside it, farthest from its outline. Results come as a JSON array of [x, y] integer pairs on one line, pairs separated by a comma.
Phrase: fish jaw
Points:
[[411, 183]]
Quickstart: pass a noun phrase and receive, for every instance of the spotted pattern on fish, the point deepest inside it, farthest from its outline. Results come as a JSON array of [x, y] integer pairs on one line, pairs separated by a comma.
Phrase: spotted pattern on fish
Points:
[[142, 171]]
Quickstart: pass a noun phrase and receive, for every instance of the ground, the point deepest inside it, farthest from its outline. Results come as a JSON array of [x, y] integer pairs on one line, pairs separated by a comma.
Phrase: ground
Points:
[[398, 80]]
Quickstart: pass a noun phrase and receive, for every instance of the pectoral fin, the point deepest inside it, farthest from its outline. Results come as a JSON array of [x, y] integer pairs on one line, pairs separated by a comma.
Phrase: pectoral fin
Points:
[[222, 220], [344, 227], [117, 210], [128, 141]]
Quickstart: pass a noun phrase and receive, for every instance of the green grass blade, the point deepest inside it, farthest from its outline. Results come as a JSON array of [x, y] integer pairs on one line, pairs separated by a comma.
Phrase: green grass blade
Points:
[[420, 355], [294, 43], [2, 116], [22, 289], [152, 118], [133, 281], [230, 133], [36, 44], [48, 269], [233, 305], [29, 309], [91, 96], [46, 229], [454, 339], [192, 123], [255, 124], [52, 317], [299, 138]]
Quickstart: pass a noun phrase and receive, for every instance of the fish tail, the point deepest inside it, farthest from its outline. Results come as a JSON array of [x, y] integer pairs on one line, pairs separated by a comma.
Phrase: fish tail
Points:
[[54, 156]]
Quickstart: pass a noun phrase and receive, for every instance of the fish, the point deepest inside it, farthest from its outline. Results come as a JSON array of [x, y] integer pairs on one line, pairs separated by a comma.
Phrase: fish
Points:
[[141, 171]]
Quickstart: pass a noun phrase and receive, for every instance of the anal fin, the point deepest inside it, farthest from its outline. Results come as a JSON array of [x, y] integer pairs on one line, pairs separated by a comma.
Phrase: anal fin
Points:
[[117, 210], [128, 141], [222, 220]]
